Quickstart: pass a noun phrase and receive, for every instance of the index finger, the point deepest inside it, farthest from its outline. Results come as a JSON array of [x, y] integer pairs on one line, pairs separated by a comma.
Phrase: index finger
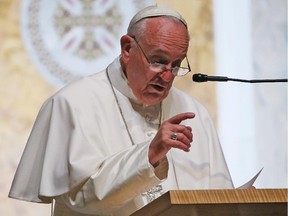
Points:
[[177, 119]]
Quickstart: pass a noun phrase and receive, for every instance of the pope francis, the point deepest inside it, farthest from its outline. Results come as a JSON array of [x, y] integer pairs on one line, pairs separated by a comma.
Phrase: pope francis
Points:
[[112, 142]]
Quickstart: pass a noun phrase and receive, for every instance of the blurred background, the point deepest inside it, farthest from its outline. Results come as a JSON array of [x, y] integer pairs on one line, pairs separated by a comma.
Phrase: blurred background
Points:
[[45, 44]]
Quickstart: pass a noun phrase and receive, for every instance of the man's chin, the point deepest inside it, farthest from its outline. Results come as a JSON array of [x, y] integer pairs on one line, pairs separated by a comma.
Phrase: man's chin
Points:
[[152, 99]]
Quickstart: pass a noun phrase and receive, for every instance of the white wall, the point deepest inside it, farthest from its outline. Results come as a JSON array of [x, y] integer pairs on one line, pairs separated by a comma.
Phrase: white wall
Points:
[[250, 43]]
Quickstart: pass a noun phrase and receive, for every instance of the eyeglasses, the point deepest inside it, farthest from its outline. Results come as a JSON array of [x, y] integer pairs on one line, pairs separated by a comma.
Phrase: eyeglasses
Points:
[[160, 68]]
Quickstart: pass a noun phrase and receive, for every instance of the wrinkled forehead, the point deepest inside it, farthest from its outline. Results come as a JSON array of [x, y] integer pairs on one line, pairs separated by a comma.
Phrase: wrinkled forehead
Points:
[[155, 11]]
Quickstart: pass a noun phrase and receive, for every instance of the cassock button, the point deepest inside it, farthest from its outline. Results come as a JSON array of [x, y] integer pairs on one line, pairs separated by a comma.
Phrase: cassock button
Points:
[[150, 133]]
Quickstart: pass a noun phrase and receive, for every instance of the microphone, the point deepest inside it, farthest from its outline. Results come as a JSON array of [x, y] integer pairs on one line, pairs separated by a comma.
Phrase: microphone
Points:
[[204, 78]]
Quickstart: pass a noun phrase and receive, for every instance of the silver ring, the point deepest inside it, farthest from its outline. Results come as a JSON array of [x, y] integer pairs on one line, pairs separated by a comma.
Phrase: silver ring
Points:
[[174, 136]]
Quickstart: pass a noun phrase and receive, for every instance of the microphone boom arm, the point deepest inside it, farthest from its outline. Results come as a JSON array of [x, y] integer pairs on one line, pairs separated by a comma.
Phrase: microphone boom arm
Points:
[[204, 78], [258, 80]]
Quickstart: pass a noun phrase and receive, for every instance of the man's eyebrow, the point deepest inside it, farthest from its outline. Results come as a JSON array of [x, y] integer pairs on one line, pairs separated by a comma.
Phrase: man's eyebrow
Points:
[[159, 53], [164, 55]]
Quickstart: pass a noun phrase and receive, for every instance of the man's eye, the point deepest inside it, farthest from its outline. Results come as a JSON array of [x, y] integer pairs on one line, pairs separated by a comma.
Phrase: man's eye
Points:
[[157, 64], [176, 64], [159, 61], [163, 62]]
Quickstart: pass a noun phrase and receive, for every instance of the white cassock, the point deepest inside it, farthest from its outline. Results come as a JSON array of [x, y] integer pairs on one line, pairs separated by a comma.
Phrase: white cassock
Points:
[[80, 153]]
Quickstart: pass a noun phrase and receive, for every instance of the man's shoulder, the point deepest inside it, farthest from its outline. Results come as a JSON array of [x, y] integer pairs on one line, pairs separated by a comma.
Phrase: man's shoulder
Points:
[[84, 83], [85, 88]]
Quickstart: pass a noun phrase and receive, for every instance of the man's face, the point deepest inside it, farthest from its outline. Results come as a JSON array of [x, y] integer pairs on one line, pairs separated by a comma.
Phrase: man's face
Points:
[[164, 42]]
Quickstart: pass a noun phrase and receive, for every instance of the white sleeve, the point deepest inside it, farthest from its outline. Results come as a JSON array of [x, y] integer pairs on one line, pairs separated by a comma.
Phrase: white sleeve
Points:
[[120, 178]]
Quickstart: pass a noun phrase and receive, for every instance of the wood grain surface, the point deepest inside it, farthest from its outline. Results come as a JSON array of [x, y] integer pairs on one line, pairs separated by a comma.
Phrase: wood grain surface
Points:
[[249, 202]]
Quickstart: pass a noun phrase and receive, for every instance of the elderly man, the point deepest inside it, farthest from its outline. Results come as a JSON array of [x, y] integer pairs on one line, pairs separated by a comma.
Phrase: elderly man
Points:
[[110, 143]]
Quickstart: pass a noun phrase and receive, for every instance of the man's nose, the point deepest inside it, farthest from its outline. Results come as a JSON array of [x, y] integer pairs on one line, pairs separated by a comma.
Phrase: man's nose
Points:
[[167, 75]]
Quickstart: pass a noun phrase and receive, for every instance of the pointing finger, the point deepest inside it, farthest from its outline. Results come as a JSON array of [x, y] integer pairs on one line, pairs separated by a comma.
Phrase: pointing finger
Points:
[[177, 119]]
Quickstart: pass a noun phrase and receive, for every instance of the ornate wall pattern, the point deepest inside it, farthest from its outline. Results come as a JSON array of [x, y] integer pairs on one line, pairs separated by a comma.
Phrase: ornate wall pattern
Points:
[[71, 39]]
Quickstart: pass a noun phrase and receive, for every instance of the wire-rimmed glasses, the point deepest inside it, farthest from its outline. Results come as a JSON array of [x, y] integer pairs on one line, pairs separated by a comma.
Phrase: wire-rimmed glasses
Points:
[[160, 68]]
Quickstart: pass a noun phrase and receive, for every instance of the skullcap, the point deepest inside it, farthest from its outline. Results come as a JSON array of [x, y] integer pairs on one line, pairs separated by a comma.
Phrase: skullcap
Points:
[[154, 11]]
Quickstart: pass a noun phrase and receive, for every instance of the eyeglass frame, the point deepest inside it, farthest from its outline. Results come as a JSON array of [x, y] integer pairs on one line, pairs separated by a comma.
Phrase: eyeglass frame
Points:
[[172, 69]]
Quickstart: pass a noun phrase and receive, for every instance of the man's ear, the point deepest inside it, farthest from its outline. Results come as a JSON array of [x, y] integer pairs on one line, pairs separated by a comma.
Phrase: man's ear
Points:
[[125, 47]]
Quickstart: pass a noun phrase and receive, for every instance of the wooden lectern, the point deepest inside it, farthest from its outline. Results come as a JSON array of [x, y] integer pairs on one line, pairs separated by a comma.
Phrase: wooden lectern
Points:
[[244, 202]]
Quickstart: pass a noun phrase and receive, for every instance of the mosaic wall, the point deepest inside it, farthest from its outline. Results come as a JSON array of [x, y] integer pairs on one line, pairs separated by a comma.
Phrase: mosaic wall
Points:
[[23, 89]]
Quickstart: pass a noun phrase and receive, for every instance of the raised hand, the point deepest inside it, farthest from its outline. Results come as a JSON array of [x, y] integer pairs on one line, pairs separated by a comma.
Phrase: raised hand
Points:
[[171, 134]]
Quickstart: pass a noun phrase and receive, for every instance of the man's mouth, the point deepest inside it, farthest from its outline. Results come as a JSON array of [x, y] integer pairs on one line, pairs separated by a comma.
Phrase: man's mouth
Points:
[[158, 87]]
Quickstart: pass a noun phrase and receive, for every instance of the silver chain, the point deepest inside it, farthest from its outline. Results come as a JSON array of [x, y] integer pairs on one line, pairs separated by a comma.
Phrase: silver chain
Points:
[[157, 190], [121, 112]]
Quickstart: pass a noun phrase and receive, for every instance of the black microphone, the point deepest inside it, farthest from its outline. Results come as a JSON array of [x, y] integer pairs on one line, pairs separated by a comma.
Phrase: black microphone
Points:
[[204, 78]]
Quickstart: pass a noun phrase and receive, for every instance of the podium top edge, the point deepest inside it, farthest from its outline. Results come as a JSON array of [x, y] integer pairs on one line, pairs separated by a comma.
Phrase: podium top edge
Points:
[[229, 196]]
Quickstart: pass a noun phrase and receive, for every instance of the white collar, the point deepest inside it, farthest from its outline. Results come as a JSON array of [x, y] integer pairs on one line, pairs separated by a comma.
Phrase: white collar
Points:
[[119, 80]]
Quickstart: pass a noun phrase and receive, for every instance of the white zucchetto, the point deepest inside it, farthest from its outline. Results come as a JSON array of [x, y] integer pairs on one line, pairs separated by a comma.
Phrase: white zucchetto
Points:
[[154, 11]]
